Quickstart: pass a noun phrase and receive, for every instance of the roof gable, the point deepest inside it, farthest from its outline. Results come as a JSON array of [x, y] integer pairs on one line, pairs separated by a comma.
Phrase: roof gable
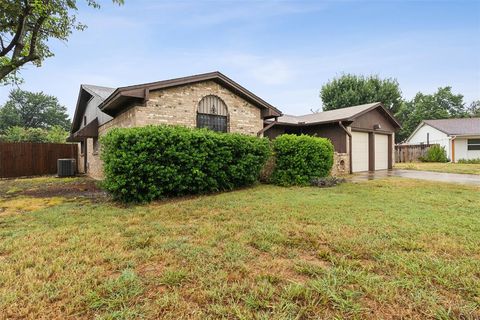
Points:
[[342, 114], [462, 126], [85, 93], [115, 102]]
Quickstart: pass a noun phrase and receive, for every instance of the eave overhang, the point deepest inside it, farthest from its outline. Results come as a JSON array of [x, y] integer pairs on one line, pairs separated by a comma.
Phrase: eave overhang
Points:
[[115, 103], [89, 131]]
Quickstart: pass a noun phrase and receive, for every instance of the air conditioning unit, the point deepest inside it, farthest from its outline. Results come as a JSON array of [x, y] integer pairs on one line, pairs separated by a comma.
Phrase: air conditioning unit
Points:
[[66, 167]]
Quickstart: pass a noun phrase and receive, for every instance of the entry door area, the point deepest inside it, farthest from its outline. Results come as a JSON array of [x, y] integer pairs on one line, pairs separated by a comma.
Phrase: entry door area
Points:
[[381, 152], [359, 151]]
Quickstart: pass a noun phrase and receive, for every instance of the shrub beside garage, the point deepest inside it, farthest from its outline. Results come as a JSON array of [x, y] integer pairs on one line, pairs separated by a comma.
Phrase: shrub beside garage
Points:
[[301, 159], [148, 163]]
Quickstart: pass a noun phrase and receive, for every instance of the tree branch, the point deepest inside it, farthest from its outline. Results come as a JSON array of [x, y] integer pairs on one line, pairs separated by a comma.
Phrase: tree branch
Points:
[[19, 33], [33, 39]]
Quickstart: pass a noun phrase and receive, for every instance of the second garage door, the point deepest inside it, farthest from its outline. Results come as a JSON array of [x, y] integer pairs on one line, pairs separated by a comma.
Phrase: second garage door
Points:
[[359, 151], [381, 152]]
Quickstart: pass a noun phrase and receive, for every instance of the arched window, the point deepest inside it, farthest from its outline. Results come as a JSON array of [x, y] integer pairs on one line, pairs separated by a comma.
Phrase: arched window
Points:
[[212, 113]]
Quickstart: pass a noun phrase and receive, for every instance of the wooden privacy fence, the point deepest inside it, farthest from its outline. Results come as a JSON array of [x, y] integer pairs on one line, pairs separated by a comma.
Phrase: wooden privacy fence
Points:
[[31, 159], [410, 152]]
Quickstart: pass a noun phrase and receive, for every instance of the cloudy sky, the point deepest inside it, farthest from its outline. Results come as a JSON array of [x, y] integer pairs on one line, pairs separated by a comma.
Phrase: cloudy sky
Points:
[[281, 50]]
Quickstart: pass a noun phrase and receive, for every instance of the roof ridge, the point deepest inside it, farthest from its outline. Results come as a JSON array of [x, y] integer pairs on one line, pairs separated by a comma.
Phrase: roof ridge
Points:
[[97, 86], [448, 119], [340, 114], [313, 113], [135, 91]]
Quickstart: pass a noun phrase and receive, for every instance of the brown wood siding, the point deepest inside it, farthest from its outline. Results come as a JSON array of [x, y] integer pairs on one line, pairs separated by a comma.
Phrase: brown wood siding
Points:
[[369, 119], [274, 132], [330, 131], [31, 159]]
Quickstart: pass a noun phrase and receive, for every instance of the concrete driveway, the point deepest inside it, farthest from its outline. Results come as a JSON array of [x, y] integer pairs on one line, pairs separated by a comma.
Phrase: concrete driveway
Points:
[[468, 179]]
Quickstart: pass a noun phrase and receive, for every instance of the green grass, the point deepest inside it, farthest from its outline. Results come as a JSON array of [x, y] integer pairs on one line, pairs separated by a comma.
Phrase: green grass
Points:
[[393, 248], [441, 167]]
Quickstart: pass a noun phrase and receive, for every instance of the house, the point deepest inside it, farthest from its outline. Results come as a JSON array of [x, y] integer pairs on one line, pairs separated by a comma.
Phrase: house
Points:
[[215, 101], [209, 100], [363, 136], [459, 137]]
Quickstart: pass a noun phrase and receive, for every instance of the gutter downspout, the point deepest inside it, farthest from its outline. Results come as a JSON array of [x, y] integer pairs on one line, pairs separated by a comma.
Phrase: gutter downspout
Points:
[[349, 144], [453, 148]]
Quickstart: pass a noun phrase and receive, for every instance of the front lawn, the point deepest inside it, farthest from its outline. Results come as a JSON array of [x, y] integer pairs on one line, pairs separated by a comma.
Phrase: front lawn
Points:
[[440, 167], [387, 249]]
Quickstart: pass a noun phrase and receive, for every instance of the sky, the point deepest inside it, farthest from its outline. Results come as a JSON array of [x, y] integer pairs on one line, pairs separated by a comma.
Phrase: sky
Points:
[[283, 51]]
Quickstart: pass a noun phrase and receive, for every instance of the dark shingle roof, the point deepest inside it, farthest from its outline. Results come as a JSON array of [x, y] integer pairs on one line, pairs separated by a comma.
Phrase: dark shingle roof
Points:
[[463, 126], [102, 92], [327, 116], [343, 114]]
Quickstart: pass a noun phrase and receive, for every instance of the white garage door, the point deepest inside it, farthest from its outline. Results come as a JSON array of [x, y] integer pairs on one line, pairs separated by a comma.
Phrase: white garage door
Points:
[[381, 152], [359, 151]]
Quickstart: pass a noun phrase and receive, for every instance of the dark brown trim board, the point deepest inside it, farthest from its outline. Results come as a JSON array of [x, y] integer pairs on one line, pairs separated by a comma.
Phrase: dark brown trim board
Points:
[[371, 151], [111, 104], [349, 150], [390, 149]]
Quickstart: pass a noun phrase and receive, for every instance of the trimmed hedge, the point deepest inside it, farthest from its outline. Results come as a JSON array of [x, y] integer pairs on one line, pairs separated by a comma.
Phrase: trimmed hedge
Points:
[[147, 163], [301, 159], [469, 161]]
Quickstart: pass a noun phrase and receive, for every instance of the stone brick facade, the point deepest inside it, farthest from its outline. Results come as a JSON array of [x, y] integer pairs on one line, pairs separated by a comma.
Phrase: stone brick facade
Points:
[[178, 106], [341, 164]]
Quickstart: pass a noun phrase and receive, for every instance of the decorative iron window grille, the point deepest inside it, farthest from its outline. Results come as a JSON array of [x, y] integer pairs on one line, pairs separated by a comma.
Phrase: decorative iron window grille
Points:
[[212, 122], [212, 113]]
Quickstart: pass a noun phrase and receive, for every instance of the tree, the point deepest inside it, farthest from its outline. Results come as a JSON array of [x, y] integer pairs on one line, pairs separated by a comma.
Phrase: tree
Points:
[[474, 109], [350, 90], [28, 26], [19, 134], [33, 110], [57, 134], [443, 104]]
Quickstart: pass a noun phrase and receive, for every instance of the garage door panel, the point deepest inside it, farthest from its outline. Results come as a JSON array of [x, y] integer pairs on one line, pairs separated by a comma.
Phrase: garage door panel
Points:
[[381, 152], [359, 151]]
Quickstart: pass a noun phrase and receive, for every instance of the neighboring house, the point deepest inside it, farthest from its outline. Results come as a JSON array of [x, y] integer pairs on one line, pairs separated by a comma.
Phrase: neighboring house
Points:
[[459, 137], [209, 100], [363, 136]]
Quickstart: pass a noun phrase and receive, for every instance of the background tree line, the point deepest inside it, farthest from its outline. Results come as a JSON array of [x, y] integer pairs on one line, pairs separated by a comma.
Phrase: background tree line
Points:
[[33, 117], [350, 90]]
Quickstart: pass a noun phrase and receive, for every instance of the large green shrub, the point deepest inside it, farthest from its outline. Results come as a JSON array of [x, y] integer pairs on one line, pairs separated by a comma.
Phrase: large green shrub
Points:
[[300, 159], [143, 164], [435, 153]]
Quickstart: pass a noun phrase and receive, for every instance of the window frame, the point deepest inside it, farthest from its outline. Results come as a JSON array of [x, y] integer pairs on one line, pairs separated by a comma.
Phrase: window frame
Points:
[[203, 118], [474, 145], [212, 120]]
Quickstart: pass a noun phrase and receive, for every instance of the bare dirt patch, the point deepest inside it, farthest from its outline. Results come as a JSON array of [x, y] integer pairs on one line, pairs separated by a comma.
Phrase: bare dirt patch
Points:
[[86, 189], [78, 188]]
